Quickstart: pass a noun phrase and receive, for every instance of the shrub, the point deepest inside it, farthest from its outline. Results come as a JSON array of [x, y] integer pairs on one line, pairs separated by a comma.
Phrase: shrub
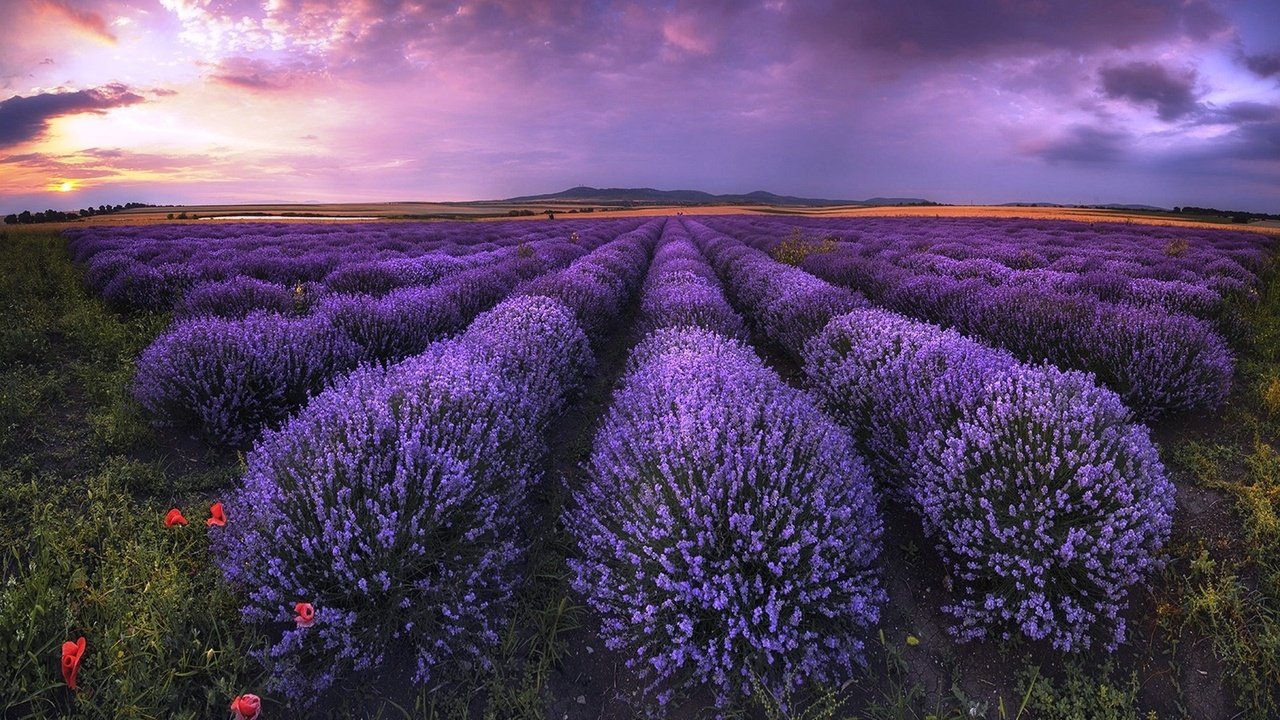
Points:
[[232, 378], [390, 328], [393, 503], [889, 378], [687, 300], [1050, 506], [236, 298], [727, 530], [1045, 501]]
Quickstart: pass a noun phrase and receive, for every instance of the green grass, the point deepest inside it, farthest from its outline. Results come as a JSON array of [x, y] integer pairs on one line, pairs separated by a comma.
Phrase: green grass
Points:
[[1228, 593], [84, 484]]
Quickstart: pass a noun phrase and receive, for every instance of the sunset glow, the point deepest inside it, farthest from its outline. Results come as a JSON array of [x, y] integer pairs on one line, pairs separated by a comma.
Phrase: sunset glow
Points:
[[1161, 102]]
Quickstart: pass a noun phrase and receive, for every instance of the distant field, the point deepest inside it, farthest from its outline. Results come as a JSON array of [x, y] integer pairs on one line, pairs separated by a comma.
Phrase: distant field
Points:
[[501, 211]]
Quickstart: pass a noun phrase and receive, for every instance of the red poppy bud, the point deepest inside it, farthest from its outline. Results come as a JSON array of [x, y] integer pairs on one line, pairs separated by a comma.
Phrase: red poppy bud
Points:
[[174, 517], [306, 614], [216, 516], [245, 707], [71, 654]]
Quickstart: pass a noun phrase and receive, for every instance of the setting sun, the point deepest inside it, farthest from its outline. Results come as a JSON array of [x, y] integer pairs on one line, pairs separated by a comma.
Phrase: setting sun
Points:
[[65, 186]]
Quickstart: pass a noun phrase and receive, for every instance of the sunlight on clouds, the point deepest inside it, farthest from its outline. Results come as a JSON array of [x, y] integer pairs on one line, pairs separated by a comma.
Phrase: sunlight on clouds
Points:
[[141, 128]]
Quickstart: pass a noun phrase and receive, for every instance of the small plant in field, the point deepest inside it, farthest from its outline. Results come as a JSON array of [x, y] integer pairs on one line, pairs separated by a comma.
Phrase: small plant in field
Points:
[[1177, 247], [1025, 260], [797, 246], [1271, 396], [1081, 693]]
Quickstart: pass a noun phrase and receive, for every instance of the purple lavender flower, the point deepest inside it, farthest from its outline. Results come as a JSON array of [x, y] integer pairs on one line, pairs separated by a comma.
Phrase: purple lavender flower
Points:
[[231, 378], [728, 530], [394, 501], [1045, 501]]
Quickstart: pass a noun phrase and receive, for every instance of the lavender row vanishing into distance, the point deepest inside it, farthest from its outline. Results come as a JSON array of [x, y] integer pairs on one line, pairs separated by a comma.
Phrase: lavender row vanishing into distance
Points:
[[394, 501], [1045, 501], [727, 532], [1160, 360]]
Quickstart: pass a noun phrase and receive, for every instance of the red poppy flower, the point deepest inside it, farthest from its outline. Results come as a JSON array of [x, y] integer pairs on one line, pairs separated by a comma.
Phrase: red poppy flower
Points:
[[174, 517], [216, 516], [245, 707], [71, 654], [306, 614]]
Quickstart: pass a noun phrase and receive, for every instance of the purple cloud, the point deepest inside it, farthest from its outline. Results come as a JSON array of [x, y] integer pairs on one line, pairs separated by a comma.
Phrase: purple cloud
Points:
[[1263, 65], [1085, 144], [1172, 92], [27, 118], [972, 28], [1244, 112], [250, 74]]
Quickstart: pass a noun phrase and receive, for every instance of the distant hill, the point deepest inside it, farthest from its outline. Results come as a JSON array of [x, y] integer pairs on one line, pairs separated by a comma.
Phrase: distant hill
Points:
[[583, 193]]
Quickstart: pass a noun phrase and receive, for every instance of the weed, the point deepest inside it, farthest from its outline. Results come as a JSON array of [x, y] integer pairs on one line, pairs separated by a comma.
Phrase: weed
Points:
[[1080, 694], [797, 246], [1177, 247]]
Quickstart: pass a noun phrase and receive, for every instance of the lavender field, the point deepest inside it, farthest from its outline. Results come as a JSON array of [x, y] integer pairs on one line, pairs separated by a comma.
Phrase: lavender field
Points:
[[685, 466], [690, 466]]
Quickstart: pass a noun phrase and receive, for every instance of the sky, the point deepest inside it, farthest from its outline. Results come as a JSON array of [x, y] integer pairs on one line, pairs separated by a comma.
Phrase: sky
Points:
[[1160, 102]]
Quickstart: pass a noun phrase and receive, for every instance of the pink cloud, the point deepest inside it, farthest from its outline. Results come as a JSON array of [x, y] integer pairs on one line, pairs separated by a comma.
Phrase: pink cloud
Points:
[[86, 20]]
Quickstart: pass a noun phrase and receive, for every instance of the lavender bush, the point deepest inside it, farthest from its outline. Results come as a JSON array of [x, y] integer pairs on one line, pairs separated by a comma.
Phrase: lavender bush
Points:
[[1113, 300], [728, 530], [682, 291], [1049, 504], [237, 298], [1046, 502], [393, 503], [232, 378], [787, 305]]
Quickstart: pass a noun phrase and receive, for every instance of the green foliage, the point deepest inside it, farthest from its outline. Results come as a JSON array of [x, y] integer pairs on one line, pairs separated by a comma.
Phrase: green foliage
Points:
[[1230, 592], [162, 630], [83, 549], [1080, 695], [60, 347], [797, 246]]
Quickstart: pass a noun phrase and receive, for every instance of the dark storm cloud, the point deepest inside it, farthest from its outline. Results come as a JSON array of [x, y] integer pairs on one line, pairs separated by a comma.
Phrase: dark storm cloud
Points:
[[27, 118], [1264, 65], [1257, 141], [1172, 92], [1086, 144], [1243, 112], [966, 28]]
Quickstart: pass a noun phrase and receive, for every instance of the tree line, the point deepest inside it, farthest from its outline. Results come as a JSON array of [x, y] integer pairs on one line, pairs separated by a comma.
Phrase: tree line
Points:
[[26, 217], [1238, 216]]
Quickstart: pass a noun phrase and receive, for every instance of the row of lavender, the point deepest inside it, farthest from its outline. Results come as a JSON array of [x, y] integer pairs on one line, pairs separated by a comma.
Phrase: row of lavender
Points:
[[230, 377], [727, 531], [1046, 503], [394, 501], [1131, 330], [232, 270], [1165, 260]]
